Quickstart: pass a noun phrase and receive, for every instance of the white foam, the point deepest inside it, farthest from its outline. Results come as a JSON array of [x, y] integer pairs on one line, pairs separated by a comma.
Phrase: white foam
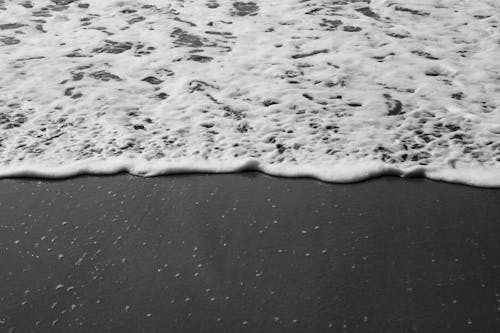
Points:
[[340, 91]]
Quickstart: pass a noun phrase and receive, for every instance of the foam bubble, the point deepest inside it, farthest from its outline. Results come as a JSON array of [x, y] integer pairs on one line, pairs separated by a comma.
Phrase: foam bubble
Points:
[[339, 91]]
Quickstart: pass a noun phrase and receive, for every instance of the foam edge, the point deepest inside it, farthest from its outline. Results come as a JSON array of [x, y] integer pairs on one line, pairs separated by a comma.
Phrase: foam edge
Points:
[[341, 173]]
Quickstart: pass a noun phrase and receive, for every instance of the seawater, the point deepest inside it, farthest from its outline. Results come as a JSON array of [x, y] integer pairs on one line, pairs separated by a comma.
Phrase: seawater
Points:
[[338, 90]]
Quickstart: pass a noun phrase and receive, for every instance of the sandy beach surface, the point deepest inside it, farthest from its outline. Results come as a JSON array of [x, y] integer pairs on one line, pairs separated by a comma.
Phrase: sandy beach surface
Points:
[[247, 253]]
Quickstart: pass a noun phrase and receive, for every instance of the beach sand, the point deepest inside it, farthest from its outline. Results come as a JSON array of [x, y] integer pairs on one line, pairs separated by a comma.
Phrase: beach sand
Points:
[[247, 253]]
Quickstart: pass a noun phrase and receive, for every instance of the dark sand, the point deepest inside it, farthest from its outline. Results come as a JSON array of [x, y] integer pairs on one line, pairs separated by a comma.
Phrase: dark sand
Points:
[[248, 253]]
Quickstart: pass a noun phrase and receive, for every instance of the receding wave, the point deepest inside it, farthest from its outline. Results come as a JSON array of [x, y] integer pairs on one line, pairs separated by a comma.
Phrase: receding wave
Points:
[[337, 90]]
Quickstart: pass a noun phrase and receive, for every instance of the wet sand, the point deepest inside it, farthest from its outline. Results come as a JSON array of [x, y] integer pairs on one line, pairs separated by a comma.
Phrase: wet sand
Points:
[[247, 253]]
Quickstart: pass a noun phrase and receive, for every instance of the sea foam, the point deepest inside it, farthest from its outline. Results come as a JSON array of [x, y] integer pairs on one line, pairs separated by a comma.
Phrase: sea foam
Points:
[[337, 90]]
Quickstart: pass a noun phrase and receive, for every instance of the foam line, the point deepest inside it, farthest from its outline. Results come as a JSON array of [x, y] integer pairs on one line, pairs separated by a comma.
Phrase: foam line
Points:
[[336, 90]]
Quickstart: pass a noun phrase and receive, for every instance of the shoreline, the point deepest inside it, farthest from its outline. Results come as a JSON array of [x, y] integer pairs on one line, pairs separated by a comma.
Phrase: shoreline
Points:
[[484, 178]]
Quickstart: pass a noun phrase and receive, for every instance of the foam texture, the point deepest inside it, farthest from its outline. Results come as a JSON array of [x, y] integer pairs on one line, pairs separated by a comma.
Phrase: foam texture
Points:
[[338, 90]]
